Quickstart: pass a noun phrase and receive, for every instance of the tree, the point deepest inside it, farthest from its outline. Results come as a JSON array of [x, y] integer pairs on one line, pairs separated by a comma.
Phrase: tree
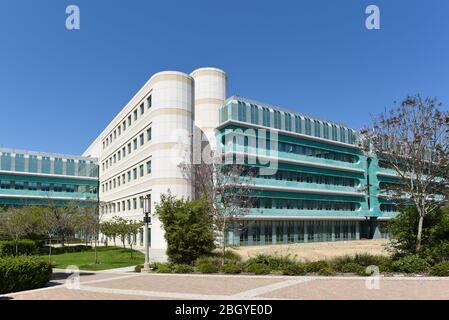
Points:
[[15, 225], [188, 227], [413, 140], [61, 220], [132, 230], [227, 190], [435, 234]]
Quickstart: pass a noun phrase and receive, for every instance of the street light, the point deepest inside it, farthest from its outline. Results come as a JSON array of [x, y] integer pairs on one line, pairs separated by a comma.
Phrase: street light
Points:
[[146, 221]]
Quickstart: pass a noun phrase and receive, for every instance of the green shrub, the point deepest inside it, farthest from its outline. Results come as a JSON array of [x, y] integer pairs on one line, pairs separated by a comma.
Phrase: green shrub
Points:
[[208, 264], [164, 268], [326, 271], [23, 273], [294, 269], [352, 267], [138, 268], [411, 264], [316, 266], [258, 268], [230, 256], [275, 263], [188, 228], [182, 268], [231, 268], [24, 247], [207, 268], [385, 264], [68, 249], [440, 270]]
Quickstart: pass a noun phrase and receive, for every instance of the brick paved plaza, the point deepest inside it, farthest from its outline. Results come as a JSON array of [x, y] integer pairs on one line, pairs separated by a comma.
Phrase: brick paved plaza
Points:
[[131, 286]]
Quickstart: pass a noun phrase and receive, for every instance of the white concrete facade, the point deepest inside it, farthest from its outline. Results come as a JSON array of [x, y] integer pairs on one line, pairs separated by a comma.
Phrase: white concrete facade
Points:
[[140, 151]]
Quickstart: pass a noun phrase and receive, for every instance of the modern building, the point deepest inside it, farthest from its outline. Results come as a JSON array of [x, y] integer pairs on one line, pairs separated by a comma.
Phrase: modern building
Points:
[[37, 178], [326, 187]]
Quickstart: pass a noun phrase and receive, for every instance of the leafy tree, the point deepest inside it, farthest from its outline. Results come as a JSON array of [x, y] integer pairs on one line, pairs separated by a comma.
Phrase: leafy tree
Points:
[[15, 225], [435, 233], [227, 190], [413, 140], [188, 227]]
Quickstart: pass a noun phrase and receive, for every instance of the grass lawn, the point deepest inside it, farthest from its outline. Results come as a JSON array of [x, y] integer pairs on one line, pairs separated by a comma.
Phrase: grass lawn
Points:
[[108, 258]]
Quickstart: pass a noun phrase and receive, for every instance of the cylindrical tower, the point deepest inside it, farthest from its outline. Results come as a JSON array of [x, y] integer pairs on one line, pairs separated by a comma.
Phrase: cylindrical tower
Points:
[[172, 117], [210, 95]]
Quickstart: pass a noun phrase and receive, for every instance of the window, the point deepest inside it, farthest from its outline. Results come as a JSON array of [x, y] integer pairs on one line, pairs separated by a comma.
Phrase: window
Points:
[[149, 102], [254, 114], [342, 134], [325, 131], [141, 170], [124, 125], [135, 173], [288, 122], [148, 134], [308, 127], [298, 126], [129, 148], [317, 126], [149, 167], [115, 134], [277, 119], [266, 117], [123, 179], [119, 156], [129, 176], [124, 152], [134, 203], [129, 120], [241, 111], [135, 115], [135, 144], [142, 139], [129, 204], [334, 132], [142, 109], [119, 130]]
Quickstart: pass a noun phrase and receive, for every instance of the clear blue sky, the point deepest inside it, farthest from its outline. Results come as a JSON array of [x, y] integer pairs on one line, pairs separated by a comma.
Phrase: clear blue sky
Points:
[[60, 88]]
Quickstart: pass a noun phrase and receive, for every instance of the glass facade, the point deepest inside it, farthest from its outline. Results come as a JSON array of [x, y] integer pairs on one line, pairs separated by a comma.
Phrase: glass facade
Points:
[[318, 189], [33, 178], [265, 232]]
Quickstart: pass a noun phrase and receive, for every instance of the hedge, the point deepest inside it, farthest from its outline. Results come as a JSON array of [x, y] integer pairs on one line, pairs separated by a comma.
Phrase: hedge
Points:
[[24, 247], [23, 273]]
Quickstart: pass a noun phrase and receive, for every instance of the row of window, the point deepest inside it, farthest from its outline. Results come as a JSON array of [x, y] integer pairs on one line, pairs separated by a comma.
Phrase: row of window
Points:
[[311, 178], [388, 207], [302, 125], [269, 232], [43, 186], [124, 205], [48, 165], [127, 149], [304, 204], [299, 150], [127, 122], [129, 176]]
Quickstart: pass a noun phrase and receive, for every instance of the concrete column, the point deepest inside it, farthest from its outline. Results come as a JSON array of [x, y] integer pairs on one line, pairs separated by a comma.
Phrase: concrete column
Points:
[[306, 236], [273, 228]]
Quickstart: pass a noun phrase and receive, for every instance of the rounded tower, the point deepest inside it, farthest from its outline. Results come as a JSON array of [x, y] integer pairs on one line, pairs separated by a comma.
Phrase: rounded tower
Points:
[[210, 95], [172, 122]]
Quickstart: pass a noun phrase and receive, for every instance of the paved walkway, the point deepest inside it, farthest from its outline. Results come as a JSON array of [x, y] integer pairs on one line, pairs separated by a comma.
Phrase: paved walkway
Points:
[[122, 285]]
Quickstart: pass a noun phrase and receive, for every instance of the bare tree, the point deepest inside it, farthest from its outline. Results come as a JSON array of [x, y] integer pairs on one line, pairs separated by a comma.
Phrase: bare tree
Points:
[[227, 189], [412, 139]]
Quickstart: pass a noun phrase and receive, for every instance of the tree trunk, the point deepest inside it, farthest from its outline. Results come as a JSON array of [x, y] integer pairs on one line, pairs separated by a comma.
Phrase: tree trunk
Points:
[[419, 236], [223, 235]]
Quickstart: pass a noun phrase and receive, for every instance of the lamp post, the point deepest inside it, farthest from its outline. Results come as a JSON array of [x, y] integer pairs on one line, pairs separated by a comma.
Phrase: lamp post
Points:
[[147, 221]]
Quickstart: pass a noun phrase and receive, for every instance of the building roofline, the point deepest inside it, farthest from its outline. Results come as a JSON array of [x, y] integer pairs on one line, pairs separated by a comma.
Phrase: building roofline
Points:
[[274, 107], [47, 154]]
